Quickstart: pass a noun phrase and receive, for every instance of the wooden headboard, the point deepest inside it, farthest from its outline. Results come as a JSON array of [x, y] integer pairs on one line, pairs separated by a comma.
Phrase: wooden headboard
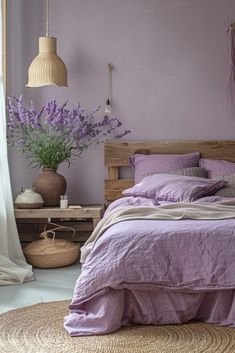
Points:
[[117, 155]]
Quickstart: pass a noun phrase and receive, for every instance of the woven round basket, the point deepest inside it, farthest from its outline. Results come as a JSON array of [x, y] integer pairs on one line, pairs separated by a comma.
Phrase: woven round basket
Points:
[[49, 252]]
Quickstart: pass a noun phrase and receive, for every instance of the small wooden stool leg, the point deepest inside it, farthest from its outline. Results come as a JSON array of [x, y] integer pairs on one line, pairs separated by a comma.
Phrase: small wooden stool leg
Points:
[[95, 222]]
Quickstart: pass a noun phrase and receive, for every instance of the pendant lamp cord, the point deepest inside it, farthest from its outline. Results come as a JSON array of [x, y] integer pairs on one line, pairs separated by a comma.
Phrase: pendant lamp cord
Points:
[[47, 18], [109, 68], [230, 94]]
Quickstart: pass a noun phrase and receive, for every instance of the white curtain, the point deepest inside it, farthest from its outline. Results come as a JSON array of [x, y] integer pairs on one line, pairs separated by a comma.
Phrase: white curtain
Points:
[[13, 267]]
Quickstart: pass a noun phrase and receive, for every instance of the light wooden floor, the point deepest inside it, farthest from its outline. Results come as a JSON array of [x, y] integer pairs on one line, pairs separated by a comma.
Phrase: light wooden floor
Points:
[[49, 285]]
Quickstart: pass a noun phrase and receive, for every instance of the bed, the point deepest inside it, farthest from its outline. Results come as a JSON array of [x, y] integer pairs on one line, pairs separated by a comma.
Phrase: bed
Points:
[[151, 263]]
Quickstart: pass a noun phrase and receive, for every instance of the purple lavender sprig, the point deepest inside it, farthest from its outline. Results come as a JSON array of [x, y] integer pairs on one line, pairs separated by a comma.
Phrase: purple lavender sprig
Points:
[[56, 134]]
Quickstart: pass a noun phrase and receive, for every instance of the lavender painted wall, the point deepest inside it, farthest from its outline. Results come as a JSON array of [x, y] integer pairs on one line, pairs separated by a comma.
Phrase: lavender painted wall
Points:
[[170, 62]]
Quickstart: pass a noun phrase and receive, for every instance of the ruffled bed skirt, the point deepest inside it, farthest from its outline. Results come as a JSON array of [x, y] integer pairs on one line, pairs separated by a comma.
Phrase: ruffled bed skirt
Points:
[[122, 307]]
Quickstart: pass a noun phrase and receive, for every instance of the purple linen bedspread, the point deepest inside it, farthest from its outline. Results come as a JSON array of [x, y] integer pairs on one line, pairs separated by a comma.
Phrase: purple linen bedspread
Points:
[[156, 272]]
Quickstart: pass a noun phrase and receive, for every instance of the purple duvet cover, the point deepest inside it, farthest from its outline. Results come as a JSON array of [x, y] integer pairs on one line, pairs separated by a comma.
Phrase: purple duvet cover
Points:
[[156, 272]]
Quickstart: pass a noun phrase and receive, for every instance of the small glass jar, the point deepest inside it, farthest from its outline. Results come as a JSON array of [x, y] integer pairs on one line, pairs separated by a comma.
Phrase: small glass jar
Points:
[[64, 203]]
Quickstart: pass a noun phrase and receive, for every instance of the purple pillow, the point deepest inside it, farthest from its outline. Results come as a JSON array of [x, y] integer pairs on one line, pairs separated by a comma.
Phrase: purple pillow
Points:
[[174, 188], [217, 167], [161, 163]]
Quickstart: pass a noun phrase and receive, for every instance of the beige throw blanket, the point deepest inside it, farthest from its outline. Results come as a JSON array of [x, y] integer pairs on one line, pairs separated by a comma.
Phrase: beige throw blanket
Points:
[[168, 212]]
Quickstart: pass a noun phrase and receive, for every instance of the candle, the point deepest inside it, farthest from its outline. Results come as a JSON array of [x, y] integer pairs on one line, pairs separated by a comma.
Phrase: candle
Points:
[[64, 203]]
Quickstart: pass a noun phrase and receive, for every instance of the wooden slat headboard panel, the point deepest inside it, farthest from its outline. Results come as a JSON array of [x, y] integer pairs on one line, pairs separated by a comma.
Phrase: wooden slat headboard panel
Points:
[[117, 155]]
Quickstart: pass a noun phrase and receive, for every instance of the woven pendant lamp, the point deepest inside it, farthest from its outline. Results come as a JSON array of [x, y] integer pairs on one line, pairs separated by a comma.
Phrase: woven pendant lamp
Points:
[[47, 68]]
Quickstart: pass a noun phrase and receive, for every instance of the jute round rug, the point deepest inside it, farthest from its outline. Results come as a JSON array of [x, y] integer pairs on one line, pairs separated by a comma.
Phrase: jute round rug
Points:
[[39, 329]]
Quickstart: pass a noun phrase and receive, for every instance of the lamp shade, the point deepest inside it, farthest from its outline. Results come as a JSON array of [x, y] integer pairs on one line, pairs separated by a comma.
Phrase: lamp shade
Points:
[[47, 68]]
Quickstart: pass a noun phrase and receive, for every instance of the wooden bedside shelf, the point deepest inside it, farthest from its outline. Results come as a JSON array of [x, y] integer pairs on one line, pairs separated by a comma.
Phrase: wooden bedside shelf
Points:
[[30, 222]]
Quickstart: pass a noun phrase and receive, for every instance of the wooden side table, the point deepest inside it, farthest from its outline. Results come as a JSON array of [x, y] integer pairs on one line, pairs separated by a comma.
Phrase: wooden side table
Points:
[[85, 213]]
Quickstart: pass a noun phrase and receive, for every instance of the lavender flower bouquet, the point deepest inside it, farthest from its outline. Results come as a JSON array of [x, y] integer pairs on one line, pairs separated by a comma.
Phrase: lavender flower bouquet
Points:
[[56, 134]]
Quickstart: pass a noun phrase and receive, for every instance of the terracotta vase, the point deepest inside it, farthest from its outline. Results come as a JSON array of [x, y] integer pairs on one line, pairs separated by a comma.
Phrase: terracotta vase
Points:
[[50, 185]]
